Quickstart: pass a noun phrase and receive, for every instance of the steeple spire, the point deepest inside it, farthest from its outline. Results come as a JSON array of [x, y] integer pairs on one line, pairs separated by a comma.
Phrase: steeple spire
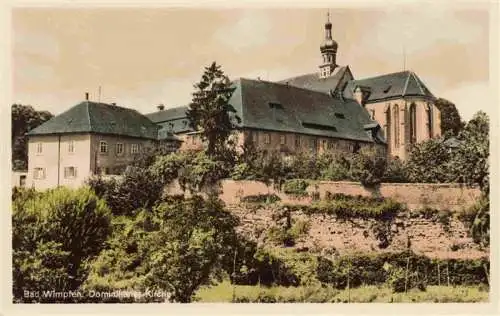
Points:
[[328, 50]]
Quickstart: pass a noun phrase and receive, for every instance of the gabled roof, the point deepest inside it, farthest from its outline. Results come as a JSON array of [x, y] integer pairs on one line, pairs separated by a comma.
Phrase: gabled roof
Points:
[[314, 82], [389, 86], [102, 118]]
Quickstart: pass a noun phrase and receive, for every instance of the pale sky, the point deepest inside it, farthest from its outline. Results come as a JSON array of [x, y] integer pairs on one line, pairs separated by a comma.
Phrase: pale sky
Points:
[[144, 57]]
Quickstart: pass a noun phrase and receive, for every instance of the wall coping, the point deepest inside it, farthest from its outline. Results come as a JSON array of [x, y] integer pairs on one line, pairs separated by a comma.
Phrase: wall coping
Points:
[[438, 185]]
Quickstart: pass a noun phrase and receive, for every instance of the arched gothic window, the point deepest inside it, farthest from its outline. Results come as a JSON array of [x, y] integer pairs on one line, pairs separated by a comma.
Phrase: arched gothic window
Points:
[[413, 123], [396, 124], [388, 124], [430, 121]]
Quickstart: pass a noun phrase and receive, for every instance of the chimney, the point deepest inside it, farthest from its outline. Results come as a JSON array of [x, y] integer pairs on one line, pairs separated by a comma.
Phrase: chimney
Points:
[[86, 96], [160, 107]]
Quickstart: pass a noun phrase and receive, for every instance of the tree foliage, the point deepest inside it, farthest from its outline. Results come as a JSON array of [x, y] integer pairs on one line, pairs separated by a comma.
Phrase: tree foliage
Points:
[[451, 123], [429, 161], [137, 188], [173, 248], [368, 167], [209, 111], [24, 118], [54, 236], [471, 159]]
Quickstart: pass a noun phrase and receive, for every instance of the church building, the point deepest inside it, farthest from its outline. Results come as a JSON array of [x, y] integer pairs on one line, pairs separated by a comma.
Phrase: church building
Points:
[[327, 110]]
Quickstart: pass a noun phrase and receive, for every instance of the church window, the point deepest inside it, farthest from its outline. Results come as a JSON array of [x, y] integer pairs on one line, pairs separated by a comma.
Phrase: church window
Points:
[[413, 123], [387, 123], [373, 114], [430, 121], [396, 124]]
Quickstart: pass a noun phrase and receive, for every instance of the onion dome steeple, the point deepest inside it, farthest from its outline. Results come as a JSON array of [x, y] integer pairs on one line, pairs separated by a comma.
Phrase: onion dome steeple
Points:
[[328, 51]]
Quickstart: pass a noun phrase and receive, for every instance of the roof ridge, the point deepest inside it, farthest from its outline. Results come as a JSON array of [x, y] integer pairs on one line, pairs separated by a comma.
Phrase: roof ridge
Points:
[[87, 103], [418, 82], [383, 75], [406, 84]]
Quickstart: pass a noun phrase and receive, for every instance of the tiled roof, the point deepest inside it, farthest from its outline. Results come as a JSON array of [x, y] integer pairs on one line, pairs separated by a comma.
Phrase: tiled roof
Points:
[[280, 107], [167, 114], [102, 118], [172, 120], [394, 85], [314, 82]]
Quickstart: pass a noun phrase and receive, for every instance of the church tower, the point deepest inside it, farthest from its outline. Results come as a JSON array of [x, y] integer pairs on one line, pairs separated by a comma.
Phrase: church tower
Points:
[[328, 51]]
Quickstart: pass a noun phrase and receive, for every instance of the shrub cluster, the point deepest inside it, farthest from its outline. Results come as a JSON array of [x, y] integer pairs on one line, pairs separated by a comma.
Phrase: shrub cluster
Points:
[[391, 268], [347, 207]]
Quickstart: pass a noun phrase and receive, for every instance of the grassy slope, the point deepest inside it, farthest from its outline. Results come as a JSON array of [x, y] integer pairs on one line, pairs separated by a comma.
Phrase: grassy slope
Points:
[[315, 294]]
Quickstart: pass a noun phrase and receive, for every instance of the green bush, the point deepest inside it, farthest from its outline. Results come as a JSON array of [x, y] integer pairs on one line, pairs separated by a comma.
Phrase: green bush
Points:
[[386, 267], [138, 188], [297, 187], [55, 234], [346, 207], [260, 198]]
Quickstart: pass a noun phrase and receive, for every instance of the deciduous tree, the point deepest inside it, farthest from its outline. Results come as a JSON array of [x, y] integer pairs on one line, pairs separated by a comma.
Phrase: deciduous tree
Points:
[[24, 118]]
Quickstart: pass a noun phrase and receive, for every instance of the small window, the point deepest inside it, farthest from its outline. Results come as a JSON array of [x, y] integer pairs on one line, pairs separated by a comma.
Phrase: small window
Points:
[[69, 172], [340, 115], [39, 173], [297, 140], [193, 139], [22, 180], [373, 114], [267, 138], [119, 149], [134, 149], [39, 148], [71, 146], [282, 139], [103, 147], [254, 136]]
